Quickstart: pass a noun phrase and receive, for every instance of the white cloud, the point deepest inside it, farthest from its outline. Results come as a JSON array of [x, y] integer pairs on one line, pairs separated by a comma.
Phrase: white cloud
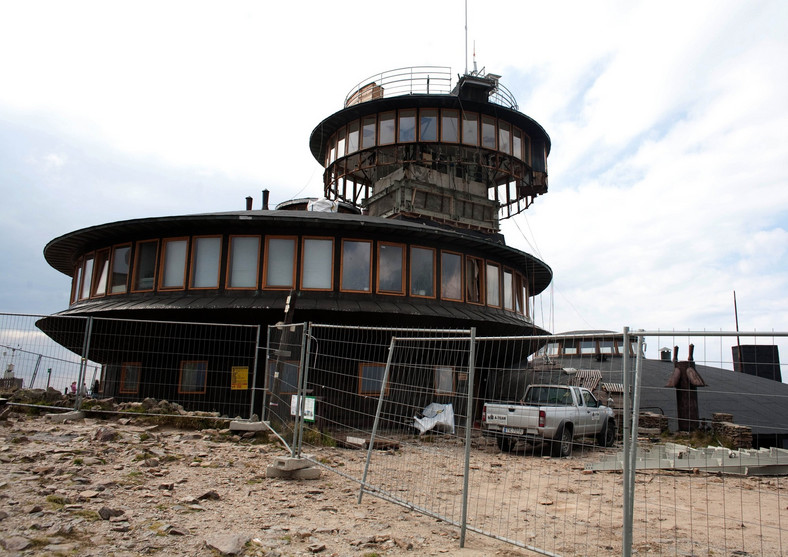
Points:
[[668, 121]]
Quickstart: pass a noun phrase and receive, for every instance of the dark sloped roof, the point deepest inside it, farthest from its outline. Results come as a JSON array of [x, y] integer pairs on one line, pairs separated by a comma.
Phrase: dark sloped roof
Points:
[[754, 401]]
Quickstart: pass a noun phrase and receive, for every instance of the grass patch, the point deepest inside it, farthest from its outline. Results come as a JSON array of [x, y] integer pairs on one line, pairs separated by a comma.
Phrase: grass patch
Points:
[[57, 501]]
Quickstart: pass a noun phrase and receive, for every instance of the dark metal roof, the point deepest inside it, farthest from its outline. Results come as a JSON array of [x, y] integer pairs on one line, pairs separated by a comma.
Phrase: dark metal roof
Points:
[[323, 131], [63, 252]]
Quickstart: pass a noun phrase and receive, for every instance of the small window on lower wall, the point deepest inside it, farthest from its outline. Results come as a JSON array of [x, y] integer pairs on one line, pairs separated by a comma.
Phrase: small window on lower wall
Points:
[[287, 374], [444, 380], [422, 272], [194, 377], [130, 378], [493, 285], [370, 378], [474, 280]]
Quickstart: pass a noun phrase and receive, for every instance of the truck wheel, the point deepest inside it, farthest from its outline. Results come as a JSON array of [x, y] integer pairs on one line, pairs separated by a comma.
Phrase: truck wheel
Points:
[[506, 444], [562, 444], [607, 437]]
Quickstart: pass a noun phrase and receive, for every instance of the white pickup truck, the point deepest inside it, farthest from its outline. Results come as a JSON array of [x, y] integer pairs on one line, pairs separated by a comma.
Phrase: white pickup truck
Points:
[[555, 414]]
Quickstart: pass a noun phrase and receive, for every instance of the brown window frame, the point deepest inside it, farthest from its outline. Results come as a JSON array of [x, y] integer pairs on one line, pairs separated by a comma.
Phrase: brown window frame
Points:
[[499, 130], [106, 253], [462, 276], [193, 267], [513, 285], [294, 273], [482, 280], [135, 269], [162, 264], [459, 125], [230, 266], [126, 391], [410, 272], [437, 115], [301, 259], [403, 269], [462, 128], [85, 258], [435, 376], [205, 378], [342, 265], [76, 281], [407, 113], [488, 119], [360, 390], [500, 290], [374, 119], [380, 120], [115, 249]]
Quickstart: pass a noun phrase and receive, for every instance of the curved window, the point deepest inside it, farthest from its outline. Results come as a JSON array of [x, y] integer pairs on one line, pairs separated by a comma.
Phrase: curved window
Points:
[[508, 290], [101, 267], [451, 276], [428, 125], [504, 137], [407, 126], [77, 284], [450, 126], [470, 128], [422, 272], [368, 134], [352, 137], [387, 125], [120, 269], [474, 280], [280, 262], [87, 277], [517, 143], [356, 265], [317, 267], [173, 263], [206, 262], [244, 262], [145, 265], [391, 268], [488, 132], [493, 285], [341, 143]]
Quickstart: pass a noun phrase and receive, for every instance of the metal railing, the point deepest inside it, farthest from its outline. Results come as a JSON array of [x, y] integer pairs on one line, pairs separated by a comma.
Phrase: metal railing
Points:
[[418, 80]]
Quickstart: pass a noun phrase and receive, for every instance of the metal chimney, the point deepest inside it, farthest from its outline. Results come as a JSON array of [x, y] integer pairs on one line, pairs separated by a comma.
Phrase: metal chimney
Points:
[[265, 200], [248, 203]]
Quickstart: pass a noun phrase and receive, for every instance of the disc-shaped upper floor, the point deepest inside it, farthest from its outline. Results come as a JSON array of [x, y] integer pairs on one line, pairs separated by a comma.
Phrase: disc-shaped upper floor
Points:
[[476, 160], [239, 267]]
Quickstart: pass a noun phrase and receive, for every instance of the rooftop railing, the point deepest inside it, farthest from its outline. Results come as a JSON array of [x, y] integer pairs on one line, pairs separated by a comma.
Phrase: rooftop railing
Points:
[[418, 80]]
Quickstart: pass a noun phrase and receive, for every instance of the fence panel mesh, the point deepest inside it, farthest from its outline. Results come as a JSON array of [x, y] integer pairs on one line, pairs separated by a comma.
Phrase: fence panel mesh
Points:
[[407, 414]]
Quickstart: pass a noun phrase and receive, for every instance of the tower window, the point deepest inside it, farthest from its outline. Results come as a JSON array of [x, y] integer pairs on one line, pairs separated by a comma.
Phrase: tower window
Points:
[[422, 272]]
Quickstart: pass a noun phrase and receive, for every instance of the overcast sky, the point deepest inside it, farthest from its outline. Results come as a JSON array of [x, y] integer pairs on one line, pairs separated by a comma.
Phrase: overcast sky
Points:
[[668, 120]]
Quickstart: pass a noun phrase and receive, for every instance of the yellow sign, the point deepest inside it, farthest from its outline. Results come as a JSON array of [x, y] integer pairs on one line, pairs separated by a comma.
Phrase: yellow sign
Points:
[[240, 380]]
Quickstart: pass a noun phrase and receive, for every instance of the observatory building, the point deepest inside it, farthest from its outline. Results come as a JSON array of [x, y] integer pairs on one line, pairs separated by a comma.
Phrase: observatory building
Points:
[[420, 168]]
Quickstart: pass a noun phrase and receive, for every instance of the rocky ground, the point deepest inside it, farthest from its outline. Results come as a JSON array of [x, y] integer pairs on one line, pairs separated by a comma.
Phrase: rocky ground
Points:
[[126, 487]]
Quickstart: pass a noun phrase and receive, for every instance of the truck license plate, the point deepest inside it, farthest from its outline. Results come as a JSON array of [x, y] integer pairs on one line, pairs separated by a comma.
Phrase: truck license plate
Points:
[[515, 430]]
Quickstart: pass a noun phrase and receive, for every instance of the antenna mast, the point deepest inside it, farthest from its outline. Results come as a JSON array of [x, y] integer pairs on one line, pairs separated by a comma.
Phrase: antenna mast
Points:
[[466, 37]]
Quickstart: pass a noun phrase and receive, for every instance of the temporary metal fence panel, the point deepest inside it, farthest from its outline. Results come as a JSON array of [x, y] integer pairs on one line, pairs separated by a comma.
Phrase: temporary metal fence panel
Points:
[[32, 360], [698, 466], [189, 367], [709, 465]]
